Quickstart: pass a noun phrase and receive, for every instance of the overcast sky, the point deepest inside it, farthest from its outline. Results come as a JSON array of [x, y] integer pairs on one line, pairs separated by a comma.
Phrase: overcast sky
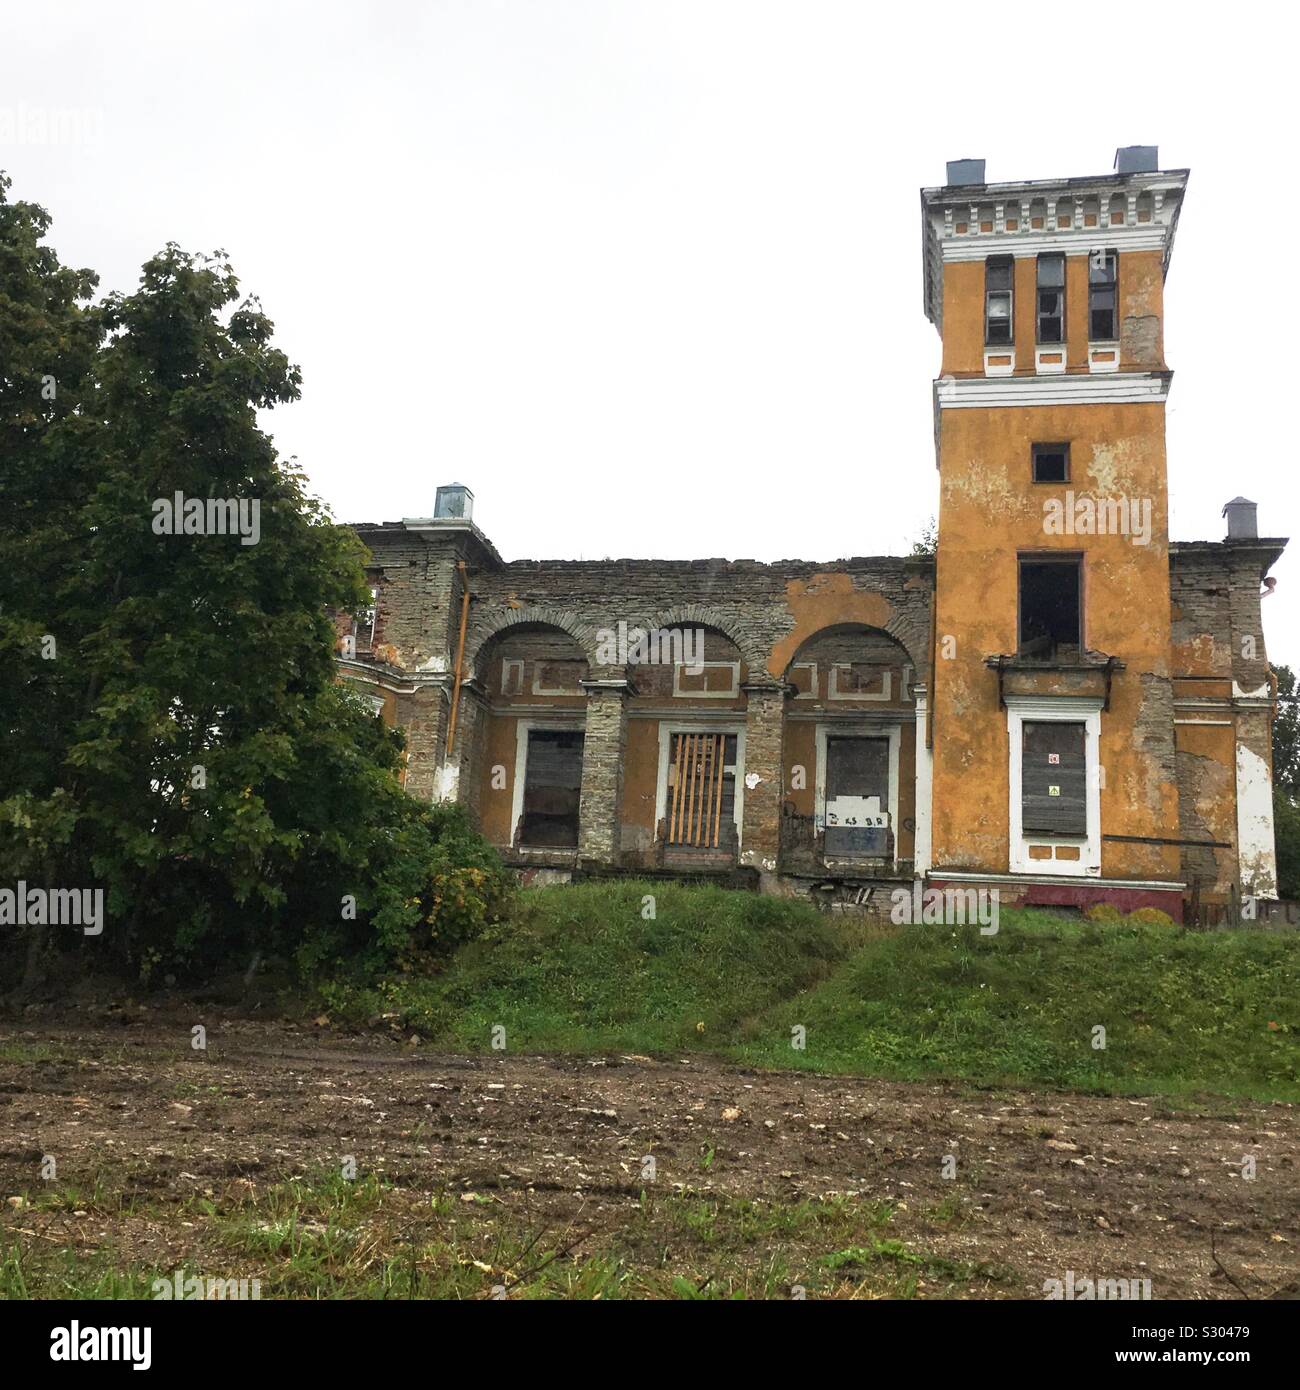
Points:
[[647, 276]]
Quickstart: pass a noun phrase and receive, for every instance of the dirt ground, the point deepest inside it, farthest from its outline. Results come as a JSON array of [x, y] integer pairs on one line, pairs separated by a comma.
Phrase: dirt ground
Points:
[[1044, 1182]]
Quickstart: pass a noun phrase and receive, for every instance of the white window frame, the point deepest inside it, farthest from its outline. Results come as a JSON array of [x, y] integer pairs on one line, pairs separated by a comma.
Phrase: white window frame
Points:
[[893, 732], [667, 728], [1071, 709]]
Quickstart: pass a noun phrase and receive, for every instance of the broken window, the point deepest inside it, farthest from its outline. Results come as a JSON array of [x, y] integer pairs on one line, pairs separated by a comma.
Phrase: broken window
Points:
[[1051, 621], [1053, 779], [552, 786], [363, 624], [1051, 463], [702, 792], [857, 797], [1103, 272], [997, 299], [1051, 299]]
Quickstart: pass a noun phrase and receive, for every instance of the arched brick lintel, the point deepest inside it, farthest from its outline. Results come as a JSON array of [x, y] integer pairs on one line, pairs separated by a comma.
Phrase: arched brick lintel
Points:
[[701, 615], [479, 639]]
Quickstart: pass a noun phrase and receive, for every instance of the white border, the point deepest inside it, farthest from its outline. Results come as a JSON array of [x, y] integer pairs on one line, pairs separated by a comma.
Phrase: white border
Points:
[[921, 836], [695, 667], [1008, 351], [1072, 388], [812, 692], [538, 689], [1065, 709], [1054, 350], [833, 685], [506, 664], [893, 732], [523, 727], [669, 727]]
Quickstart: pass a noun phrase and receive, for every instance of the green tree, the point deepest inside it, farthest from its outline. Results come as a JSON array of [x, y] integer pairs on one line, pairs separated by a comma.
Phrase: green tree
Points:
[[927, 543], [1286, 783], [1286, 733], [182, 742]]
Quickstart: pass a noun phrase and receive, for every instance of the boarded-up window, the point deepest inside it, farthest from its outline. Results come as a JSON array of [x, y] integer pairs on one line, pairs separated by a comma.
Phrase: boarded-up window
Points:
[[1053, 779], [552, 786], [702, 792], [857, 797]]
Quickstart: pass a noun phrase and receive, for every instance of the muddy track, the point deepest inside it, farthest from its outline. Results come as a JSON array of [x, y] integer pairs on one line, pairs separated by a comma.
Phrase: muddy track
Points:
[[1046, 1182]]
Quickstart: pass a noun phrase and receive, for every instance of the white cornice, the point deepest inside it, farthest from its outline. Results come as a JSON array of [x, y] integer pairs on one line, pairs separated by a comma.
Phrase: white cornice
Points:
[[1080, 241], [1105, 388], [1157, 197], [1090, 186], [938, 875]]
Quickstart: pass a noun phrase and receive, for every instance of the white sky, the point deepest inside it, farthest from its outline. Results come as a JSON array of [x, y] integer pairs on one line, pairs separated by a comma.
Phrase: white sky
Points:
[[647, 276]]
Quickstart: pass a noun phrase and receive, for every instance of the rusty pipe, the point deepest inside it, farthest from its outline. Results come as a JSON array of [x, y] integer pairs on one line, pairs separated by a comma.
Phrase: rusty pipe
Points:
[[460, 655]]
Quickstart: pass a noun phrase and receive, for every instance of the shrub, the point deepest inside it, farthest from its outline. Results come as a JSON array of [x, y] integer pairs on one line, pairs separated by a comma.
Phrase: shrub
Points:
[[1150, 917]]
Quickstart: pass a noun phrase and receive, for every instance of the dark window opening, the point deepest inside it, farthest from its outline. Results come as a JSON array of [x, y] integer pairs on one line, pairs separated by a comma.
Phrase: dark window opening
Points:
[[1102, 284], [552, 786], [998, 271], [1053, 779], [1050, 616], [1051, 463], [1051, 299], [363, 624], [857, 770]]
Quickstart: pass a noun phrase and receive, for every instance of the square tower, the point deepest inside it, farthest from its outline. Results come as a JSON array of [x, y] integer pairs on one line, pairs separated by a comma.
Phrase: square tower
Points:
[[1052, 698]]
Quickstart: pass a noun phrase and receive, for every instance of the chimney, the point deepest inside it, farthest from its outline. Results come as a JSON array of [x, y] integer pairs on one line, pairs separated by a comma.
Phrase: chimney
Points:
[[1241, 520], [454, 502], [965, 171], [1137, 159]]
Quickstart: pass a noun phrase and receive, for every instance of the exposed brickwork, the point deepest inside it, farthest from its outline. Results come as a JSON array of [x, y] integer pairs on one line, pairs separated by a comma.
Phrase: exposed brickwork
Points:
[[550, 615], [764, 730], [602, 776]]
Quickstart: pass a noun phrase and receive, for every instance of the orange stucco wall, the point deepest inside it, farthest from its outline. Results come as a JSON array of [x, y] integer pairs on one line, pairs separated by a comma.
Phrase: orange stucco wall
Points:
[[991, 511], [499, 750], [1140, 299]]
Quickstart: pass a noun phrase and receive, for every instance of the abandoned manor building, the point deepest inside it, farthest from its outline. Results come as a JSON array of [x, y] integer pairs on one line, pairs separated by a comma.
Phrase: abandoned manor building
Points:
[[1058, 702]]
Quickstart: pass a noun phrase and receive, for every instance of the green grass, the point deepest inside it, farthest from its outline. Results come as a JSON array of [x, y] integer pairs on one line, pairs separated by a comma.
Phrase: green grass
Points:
[[1183, 1012], [325, 1238], [580, 969]]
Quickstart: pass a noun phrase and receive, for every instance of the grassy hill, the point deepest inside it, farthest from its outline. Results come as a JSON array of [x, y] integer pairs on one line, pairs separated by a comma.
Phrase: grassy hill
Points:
[[588, 969]]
